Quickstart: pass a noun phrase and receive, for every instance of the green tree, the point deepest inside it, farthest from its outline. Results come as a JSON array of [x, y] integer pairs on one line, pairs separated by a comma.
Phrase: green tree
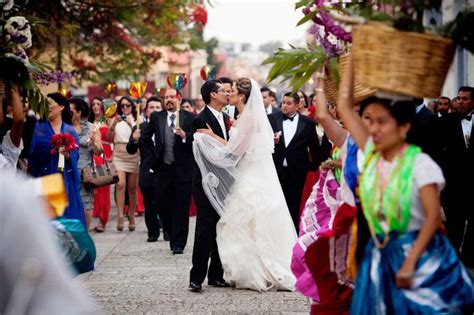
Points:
[[107, 40]]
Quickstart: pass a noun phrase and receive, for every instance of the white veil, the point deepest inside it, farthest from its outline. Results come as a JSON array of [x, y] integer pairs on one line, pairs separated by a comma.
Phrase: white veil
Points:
[[252, 135]]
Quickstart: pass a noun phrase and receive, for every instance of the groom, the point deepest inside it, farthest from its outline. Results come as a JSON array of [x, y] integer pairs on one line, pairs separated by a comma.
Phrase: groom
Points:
[[215, 96]]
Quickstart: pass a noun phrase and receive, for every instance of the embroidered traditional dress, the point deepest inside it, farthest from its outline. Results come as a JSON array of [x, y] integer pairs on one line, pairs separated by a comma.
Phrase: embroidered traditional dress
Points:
[[389, 193]]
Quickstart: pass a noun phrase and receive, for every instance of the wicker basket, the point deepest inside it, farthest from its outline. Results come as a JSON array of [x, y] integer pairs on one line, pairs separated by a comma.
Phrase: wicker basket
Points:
[[361, 91], [408, 63], [330, 86]]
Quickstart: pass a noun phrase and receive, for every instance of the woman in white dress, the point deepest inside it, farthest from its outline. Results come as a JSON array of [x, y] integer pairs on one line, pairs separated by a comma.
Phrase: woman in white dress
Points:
[[255, 234]]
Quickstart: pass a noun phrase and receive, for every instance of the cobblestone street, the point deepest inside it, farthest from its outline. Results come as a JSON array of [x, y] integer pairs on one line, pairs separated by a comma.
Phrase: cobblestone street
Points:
[[136, 277]]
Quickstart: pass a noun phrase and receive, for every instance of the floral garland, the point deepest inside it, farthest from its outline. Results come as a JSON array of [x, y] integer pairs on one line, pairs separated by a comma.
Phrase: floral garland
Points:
[[17, 69], [54, 76]]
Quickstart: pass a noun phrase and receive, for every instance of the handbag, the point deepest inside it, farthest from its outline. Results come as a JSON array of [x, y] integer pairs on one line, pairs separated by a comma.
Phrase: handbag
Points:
[[97, 176]]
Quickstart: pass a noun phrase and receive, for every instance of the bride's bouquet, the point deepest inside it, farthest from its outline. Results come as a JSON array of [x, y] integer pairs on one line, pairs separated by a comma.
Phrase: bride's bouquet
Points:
[[62, 143]]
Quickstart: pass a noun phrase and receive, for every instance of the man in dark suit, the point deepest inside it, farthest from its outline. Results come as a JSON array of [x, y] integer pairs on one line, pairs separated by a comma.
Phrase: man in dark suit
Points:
[[147, 178], [422, 129], [454, 152], [267, 96], [173, 165], [215, 96], [444, 106], [297, 151]]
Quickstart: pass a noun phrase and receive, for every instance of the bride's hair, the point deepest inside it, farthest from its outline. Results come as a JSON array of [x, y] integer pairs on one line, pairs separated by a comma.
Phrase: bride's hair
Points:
[[244, 86]]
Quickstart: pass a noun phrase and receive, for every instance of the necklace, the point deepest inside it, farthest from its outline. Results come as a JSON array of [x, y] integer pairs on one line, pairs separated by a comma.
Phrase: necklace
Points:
[[386, 193]]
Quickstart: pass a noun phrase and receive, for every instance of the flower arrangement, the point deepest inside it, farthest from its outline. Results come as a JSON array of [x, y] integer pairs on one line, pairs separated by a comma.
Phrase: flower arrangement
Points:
[[331, 40], [62, 143], [15, 39], [330, 34], [332, 27]]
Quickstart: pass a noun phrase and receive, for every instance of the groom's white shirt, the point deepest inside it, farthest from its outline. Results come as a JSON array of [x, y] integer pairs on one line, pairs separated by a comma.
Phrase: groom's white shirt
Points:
[[289, 131], [220, 118]]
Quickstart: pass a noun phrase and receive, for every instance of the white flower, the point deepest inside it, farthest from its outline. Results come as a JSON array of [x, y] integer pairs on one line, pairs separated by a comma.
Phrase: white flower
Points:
[[14, 23], [19, 31], [9, 5], [332, 39]]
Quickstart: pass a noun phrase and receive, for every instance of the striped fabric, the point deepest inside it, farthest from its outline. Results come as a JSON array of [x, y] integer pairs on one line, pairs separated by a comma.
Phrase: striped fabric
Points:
[[441, 284]]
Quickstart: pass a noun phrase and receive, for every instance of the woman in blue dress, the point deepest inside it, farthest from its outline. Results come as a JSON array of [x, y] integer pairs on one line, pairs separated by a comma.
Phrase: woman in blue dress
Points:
[[42, 162], [408, 266]]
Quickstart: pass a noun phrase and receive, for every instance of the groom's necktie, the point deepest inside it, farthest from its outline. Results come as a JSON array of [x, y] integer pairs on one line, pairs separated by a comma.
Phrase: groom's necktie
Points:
[[220, 119]]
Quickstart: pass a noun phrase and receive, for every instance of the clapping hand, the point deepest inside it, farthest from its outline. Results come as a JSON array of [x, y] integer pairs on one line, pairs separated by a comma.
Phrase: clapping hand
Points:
[[276, 137], [136, 135]]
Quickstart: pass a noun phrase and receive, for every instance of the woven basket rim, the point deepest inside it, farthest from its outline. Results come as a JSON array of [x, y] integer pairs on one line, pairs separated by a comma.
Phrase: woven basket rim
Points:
[[388, 28]]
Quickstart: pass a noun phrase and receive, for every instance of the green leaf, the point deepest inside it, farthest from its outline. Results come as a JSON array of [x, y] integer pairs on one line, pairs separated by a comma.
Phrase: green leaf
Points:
[[307, 18], [297, 65], [303, 3]]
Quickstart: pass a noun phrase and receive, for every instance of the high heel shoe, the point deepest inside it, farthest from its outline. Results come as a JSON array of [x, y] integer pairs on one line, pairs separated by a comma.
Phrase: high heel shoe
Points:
[[120, 224], [131, 223]]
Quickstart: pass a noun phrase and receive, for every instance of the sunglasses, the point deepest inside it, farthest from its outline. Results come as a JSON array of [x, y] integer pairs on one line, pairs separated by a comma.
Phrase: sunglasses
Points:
[[127, 105]]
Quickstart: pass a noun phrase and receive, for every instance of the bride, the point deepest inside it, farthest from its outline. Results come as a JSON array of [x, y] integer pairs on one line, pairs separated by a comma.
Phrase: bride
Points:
[[255, 234]]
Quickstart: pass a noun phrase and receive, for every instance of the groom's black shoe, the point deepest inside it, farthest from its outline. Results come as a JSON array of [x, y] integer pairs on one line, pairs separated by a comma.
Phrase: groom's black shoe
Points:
[[218, 283], [194, 287], [177, 251]]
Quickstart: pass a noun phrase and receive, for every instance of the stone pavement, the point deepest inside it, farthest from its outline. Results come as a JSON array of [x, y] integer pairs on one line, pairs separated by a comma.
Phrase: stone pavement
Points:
[[136, 277]]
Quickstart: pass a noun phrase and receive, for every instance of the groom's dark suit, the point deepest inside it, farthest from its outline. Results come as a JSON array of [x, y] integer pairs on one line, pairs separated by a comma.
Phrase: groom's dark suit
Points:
[[205, 245], [293, 160]]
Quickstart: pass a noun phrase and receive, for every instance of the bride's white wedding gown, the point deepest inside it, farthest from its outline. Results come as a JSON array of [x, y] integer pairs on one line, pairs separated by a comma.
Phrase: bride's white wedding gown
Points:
[[256, 235]]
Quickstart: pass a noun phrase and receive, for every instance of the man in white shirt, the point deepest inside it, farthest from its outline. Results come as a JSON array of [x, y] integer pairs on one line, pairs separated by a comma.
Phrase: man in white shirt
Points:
[[267, 100], [454, 152], [172, 146], [297, 151], [12, 143]]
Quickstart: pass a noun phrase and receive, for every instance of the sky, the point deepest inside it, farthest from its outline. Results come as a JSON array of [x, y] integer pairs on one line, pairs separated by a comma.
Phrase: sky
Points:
[[254, 21]]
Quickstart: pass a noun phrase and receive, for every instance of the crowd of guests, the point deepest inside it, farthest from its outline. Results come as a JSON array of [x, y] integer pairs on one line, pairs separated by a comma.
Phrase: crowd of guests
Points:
[[402, 169]]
